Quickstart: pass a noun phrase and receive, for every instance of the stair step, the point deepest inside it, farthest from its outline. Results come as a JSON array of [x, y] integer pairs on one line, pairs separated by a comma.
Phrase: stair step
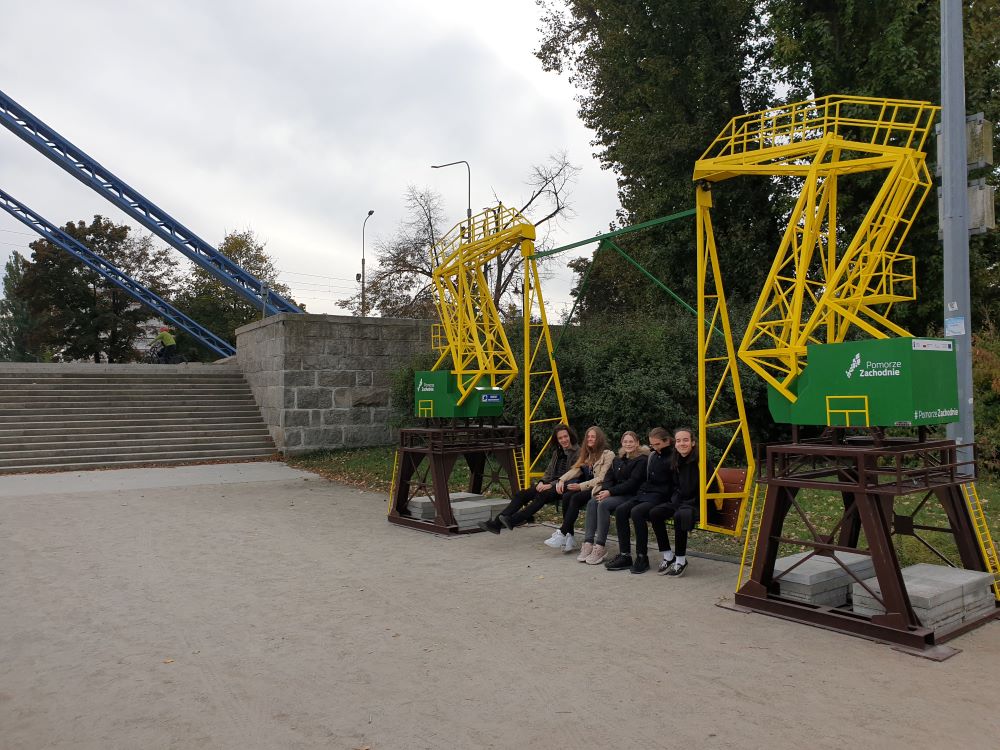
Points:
[[143, 410], [143, 456], [145, 425], [133, 432], [83, 420], [92, 465], [78, 443], [59, 451]]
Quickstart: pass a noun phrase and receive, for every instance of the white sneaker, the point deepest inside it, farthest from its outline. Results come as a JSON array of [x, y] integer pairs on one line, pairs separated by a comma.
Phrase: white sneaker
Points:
[[557, 540], [569, 544]]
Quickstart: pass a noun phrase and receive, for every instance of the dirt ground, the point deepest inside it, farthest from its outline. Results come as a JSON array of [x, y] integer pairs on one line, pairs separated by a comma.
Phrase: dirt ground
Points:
[[213, 607]]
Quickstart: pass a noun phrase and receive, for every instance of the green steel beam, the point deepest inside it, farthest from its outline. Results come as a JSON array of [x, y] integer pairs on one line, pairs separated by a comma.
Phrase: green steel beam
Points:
[[617, 232]]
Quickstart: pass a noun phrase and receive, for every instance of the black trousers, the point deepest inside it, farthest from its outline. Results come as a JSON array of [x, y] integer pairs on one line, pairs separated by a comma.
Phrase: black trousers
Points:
[[573, 503], [526, 503], [622, 513], [685, 517], [640, 514]]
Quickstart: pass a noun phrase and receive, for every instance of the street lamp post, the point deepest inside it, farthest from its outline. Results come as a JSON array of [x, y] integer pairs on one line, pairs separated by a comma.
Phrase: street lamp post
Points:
[[955, 223], [364, 306], [468, 211]]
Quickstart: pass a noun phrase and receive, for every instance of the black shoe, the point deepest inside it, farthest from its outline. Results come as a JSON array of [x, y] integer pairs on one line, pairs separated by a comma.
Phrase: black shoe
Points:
[[529, 519], [641, 564], [676, 569], [505, 520], [491, 526], [620, 562]]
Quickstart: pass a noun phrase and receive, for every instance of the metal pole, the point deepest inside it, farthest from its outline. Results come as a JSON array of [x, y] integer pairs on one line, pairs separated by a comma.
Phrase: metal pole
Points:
[[954, 221], [468, 169], [263, 299], [364, 306]]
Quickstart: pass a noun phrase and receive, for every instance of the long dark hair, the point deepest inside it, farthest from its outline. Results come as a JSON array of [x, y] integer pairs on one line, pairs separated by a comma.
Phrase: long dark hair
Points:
[[573, 439]]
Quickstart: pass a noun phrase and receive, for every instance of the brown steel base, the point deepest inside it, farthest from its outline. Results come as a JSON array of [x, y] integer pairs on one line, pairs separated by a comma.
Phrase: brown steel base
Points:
[[871, 474], [426, 458]]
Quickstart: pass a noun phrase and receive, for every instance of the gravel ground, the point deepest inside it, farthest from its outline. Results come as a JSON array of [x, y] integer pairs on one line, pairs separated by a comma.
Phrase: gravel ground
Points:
[[255, 606]]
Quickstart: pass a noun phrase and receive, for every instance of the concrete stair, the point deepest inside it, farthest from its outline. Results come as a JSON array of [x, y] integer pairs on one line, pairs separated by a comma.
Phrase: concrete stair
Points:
[[56, 417]]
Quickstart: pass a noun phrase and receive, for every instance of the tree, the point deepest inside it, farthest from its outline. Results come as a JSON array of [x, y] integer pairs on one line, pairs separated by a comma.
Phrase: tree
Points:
[[892, 49], [658, 83], [16, 320], [216, 306], [402, 284], [79, 314]]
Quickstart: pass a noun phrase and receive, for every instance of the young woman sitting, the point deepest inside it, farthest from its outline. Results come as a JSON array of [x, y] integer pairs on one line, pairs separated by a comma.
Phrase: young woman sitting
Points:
[[657, 489], [620, 483], [684, 506], [527, 502], [578, 484]]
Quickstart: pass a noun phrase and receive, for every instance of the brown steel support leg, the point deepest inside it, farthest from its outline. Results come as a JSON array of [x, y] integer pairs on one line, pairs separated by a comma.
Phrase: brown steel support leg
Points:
[[777, 501], [505, 457], [441, 466], [408, 463], [874, 520], [477, 464], [850, 528]]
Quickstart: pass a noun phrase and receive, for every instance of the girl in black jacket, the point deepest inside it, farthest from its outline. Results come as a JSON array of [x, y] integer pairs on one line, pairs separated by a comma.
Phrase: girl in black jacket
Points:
[[622, 481], [684, 505]]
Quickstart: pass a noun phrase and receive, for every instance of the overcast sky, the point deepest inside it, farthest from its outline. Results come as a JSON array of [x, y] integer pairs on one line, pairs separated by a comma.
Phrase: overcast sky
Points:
[[291, 118]]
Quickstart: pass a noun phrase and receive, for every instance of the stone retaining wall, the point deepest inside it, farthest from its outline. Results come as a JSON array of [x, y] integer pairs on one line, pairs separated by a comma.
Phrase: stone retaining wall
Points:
[[323, 381]]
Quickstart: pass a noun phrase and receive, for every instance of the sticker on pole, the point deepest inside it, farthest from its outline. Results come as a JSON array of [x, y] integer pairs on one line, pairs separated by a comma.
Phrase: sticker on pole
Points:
[[954, 326]]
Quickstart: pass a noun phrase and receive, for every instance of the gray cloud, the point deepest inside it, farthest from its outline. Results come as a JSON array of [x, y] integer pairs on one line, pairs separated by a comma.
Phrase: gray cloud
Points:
[[291, 118]]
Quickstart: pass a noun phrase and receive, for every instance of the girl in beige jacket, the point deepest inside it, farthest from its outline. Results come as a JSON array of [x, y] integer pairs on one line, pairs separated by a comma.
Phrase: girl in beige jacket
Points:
[[578, 484]]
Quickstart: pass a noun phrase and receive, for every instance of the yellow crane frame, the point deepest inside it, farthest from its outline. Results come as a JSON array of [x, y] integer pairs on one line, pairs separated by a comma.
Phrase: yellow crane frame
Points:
[[471, 332], [818, 288]]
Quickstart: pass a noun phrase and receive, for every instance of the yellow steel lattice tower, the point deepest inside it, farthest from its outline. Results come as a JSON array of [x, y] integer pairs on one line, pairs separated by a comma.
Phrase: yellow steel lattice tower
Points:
[[474, 342], [819, 286], [474, 337]]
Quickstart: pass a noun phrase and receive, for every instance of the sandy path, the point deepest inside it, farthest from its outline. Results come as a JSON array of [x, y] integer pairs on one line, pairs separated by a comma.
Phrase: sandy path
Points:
[[278, 610]]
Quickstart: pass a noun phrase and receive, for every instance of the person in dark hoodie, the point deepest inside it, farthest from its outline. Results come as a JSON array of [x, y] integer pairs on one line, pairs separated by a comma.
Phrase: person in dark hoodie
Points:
[[655, 490], [527, 502], [620, 483], [684, 506]]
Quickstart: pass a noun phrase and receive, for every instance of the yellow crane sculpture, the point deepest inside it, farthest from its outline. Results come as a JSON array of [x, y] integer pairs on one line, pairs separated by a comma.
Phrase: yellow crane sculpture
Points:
[[820, 286], [471, 336]]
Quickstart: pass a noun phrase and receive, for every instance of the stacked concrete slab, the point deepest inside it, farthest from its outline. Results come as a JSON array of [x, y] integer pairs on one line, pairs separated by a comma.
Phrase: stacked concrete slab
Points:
[[820, 580], [468, 508], [941, 597]]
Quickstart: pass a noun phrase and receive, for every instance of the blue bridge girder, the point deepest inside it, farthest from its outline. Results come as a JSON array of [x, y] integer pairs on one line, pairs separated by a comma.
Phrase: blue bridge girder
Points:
[[100, 265], [37, 134]]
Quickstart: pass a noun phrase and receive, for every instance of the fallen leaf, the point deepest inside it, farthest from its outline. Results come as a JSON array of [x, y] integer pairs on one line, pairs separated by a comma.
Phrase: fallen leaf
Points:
[[168, 661]]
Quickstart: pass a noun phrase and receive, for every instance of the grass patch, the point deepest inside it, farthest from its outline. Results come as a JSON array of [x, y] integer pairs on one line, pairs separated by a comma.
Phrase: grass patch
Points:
[[371, 469]]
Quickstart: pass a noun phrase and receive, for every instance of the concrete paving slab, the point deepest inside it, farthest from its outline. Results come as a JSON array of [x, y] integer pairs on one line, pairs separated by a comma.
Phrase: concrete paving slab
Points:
[[283, 611]]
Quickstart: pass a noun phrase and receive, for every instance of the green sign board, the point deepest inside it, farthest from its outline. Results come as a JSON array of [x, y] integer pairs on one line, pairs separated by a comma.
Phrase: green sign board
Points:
[[436, 395], [899, 382]]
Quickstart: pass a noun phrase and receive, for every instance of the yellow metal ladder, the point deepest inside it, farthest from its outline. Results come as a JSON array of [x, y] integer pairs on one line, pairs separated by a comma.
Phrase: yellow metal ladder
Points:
[[519, 468], [395, 478], [986, 545], [750, 540]]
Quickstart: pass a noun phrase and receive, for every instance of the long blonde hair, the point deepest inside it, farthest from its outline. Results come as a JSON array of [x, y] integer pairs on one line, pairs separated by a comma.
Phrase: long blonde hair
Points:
[[590, 455]]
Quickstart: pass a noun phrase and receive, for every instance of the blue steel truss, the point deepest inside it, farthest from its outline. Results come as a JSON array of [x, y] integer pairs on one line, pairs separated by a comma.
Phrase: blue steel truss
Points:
[[33, 131], [96, 263]]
